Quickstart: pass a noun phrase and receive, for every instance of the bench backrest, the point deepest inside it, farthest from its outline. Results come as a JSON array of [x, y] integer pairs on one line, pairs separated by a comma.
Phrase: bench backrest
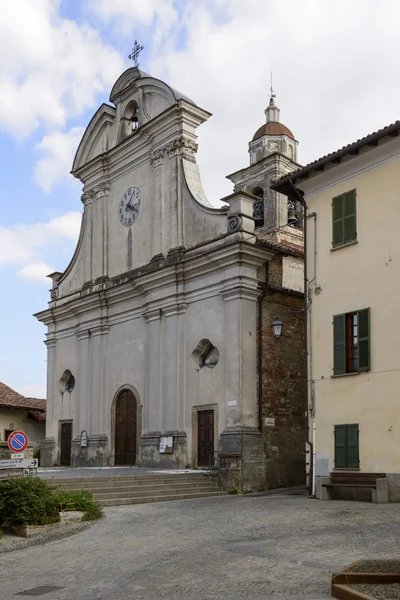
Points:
[[355, 476]]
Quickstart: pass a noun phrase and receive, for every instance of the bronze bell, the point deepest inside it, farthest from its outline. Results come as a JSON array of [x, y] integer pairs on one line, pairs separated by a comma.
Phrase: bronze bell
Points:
[[135, 120], [292, 219]]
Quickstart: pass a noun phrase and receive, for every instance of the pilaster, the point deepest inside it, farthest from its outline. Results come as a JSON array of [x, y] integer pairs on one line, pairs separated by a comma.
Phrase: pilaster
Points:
[[82, 408], [241, 449], [153, 409]]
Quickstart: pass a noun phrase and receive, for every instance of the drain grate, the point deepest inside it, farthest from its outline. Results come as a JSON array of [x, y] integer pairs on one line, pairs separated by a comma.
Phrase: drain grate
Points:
[[40, 591]]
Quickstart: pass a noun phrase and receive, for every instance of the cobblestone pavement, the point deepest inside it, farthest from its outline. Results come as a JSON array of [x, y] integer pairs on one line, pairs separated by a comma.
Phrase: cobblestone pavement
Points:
[[232, 547], [71, 473]]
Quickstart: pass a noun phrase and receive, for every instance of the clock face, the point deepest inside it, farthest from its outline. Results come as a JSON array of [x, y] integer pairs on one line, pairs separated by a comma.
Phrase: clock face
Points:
[[129, 206]]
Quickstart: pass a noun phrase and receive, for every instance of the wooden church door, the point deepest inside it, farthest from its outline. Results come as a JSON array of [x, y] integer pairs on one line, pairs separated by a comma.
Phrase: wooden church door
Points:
[[65, 444], [205, 453], [125, 428]]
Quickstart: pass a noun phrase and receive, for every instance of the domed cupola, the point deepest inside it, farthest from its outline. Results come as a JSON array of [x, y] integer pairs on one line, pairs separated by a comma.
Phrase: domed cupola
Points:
[[272, 137]]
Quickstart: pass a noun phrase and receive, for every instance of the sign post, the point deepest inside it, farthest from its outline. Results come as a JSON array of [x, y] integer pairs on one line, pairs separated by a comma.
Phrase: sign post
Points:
[[17, 441]]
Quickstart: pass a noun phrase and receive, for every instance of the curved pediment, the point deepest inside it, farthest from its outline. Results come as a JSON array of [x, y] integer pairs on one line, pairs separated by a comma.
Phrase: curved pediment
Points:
[[97, 138], [135, 78]]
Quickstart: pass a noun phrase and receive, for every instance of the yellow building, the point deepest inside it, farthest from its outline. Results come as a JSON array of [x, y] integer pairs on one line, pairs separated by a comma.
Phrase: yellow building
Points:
[[352, 200]]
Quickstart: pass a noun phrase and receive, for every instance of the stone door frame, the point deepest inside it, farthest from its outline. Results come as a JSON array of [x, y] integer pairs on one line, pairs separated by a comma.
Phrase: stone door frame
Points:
[[138, 420], [195, 428]]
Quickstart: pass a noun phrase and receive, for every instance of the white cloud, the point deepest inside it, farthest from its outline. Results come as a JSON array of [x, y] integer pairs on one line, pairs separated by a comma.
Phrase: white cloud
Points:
[[334, 66], [36, 271], [58, 150], [52, 68], [25, 244], [126, 15]]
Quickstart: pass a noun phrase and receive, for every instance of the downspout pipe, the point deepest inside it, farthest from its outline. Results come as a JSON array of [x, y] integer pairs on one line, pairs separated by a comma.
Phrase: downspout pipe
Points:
[[298, 194], [260, 355]]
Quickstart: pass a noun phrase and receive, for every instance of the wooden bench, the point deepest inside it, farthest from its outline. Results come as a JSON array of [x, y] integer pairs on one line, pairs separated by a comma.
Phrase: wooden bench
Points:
[[377, 482]]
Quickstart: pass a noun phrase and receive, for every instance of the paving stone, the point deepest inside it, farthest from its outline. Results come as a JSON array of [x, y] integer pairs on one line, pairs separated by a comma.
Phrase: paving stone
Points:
[[232, 547]]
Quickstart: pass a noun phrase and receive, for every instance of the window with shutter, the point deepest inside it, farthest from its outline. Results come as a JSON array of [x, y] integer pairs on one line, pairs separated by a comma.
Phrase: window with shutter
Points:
[[351, 342], [363, 340], [346, 447], [339, 344], [344, 225], [340, 446]]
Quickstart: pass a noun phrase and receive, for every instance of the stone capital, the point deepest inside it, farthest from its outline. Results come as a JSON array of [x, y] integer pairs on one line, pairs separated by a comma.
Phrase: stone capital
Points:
[[152, 315], [176, 309], [156, 157], [240, 292], [102, 189], [50, 343], [87, 197], [83, 334]]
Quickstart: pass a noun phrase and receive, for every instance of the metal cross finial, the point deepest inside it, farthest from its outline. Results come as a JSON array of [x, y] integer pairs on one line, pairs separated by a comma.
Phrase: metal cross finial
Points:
[[134, 55], [273, 95]]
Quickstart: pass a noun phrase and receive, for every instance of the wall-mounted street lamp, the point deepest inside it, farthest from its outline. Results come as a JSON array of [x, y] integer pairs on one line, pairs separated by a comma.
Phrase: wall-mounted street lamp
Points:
[[277, 324], [277, 327]]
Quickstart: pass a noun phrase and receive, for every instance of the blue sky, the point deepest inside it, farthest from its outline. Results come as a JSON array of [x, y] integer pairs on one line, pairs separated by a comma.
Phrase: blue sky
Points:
[[336, 76]]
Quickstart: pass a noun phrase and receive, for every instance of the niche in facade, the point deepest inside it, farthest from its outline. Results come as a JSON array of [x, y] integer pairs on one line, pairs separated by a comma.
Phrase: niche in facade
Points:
[[258, 206], [205, 355], [67, 382]]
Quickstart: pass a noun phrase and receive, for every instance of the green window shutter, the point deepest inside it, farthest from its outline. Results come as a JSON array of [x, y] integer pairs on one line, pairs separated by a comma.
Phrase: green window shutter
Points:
[[340, 447], [364, 340], [353, 461], [350, 225], [338, 221], [339, 344]]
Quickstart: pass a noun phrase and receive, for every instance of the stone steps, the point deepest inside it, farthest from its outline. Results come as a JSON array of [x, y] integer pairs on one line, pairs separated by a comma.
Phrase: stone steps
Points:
[[95, 489], [106, 493], [137, 479], [113, 491], [162, 498]]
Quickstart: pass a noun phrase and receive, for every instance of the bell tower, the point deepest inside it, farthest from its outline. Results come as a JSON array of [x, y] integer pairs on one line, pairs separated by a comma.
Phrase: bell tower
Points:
[[273, 152]]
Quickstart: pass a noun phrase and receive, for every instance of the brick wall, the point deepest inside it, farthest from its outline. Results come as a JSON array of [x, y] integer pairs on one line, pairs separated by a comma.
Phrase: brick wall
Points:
[[283, 386]]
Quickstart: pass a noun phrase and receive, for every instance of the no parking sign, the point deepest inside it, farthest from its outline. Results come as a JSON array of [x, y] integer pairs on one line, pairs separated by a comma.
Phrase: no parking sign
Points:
[[17, 441]]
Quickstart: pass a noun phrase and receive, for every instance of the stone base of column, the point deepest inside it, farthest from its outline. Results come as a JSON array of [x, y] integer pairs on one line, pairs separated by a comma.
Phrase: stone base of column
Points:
[[48, 453], [151, 457], [94, 455], [241, 459]]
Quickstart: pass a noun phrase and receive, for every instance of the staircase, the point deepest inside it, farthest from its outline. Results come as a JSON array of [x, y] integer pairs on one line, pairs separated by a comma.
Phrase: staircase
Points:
[[113, 491]]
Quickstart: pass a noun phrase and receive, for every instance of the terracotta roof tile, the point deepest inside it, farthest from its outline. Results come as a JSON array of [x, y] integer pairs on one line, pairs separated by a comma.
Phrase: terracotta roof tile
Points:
[[368, 139], [273, 128], [9, 398], [283, 246]]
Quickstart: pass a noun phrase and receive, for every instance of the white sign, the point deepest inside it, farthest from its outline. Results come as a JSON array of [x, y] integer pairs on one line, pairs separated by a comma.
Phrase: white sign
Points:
[[269, 422], [232, 403], [19, 463], [17, 455], [166, 444]]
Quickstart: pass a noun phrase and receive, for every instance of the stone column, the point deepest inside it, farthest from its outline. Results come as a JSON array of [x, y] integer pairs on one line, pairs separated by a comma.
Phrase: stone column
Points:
[[152, 403], [241, 446], [48, 452]]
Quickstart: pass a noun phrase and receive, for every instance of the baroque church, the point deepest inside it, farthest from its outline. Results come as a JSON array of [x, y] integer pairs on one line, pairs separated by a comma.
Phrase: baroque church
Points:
[[159, 340]]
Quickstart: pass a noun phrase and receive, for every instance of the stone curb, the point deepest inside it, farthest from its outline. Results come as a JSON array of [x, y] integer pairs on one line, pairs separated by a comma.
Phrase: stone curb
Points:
[[11, 543]]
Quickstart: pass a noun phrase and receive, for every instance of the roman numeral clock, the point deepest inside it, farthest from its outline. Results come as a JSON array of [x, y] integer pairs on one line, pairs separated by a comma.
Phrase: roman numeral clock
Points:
[[129, 206]]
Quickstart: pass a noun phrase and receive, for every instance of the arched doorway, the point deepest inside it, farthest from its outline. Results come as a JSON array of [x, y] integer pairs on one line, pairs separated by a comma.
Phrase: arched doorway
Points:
[[125, 428]]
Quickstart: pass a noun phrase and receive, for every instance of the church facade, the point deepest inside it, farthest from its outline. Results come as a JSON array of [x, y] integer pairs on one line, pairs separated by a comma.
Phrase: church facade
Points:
[[153, 330]]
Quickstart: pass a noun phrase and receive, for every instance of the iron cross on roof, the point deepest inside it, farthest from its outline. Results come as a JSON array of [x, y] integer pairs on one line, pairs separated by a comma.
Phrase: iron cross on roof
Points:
[[273, 95], [134, 55]]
